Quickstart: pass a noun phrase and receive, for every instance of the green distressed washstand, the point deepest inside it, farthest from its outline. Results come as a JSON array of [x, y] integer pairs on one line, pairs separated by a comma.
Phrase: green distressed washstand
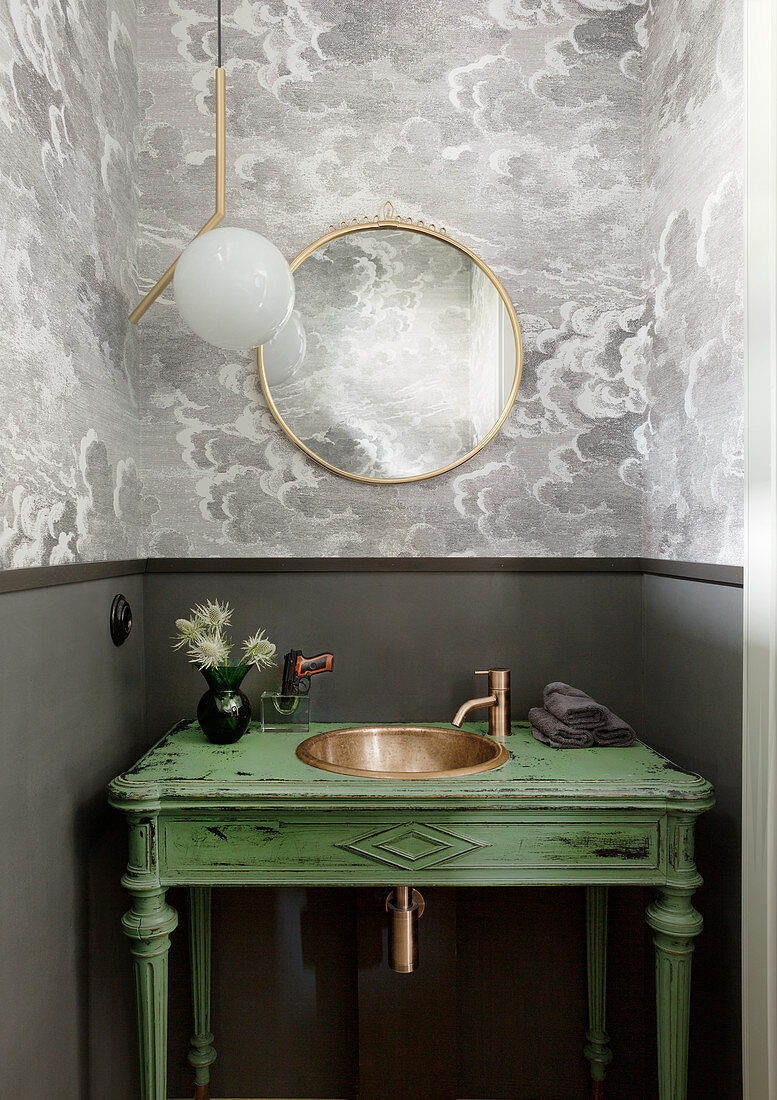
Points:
[[253, 814]]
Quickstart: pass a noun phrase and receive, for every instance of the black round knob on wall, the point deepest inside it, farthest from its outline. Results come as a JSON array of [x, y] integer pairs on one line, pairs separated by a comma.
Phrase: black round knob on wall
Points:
[[121, 619]]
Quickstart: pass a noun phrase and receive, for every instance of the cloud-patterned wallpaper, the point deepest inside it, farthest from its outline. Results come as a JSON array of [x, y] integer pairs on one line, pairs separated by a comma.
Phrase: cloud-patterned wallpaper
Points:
[[69, 462], [516, 125], [587, 149], [691, 440]]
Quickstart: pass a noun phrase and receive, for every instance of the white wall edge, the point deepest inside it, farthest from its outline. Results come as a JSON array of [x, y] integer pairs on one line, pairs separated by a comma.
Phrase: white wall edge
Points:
[[759, 793]]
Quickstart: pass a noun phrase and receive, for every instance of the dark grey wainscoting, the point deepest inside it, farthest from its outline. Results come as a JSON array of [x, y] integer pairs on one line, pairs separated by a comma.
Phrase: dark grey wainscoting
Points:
[[18, 580], [406, 644], [50, 576], [663, 649], [72, 716]]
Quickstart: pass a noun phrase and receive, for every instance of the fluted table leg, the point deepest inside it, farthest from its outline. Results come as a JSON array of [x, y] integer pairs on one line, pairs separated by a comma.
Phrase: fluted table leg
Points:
[[675, 924], [597, 1048], [202, 1054], [148, 925]]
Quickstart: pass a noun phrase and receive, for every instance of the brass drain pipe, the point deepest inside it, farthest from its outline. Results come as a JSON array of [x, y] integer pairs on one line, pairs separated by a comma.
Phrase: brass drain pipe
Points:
[[404, 905]]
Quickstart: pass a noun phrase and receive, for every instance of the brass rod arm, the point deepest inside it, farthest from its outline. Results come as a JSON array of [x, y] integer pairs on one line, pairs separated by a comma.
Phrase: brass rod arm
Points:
[[221, 195]]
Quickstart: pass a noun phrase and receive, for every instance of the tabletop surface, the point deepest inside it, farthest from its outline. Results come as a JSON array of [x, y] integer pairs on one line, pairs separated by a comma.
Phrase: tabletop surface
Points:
[[264, 767]]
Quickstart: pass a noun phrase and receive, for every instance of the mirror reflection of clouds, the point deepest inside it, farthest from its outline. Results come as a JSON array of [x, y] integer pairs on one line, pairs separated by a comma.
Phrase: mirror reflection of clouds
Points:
[[397, 379]]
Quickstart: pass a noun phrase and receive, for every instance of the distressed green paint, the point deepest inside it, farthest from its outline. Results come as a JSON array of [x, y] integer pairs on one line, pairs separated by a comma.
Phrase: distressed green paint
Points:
[[597, 1048], [202, 1054], [315, 848], [263, 765], [675, 924], [148, 925], [204, 815]]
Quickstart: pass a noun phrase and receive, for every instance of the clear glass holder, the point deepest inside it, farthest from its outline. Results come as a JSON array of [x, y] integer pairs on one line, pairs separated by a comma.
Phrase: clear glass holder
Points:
[[285, 713]]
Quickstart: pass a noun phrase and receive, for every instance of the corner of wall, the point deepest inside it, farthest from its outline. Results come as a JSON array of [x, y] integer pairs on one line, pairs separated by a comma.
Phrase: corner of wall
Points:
[[68, 157]]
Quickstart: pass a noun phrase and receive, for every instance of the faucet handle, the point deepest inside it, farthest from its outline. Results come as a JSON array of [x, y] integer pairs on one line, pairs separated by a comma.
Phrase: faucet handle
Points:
[[497, 677]]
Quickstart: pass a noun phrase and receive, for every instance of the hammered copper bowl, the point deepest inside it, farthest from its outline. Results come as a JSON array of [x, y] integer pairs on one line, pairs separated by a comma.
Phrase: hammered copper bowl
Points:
[[403, 752]]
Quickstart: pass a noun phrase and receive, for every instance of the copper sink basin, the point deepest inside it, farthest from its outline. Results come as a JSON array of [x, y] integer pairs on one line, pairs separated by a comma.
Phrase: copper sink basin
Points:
[[403, 752]]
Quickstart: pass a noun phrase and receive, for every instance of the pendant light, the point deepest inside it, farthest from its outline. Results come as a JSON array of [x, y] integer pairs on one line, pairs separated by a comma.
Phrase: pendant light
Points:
[[284, 353], [233, 287]]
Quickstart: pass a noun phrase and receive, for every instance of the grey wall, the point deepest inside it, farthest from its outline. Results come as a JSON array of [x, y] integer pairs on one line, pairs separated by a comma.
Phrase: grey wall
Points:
[[524, 131], [69, 477], [406, 644], [72, 717]]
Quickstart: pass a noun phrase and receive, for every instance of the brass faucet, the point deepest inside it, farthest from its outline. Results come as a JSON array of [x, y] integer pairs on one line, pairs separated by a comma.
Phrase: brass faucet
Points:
[[497, 701]]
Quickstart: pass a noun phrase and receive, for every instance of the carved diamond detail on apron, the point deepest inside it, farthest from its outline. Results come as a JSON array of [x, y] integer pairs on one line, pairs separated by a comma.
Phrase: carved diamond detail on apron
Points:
[[413, 846]]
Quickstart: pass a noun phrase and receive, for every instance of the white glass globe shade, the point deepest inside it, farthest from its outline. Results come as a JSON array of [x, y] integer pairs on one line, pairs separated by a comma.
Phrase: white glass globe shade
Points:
[[284, 353], [233, 288]]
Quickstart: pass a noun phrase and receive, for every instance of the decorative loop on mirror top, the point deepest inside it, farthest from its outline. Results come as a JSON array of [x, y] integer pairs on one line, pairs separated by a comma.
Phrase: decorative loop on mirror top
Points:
[[388, 214]]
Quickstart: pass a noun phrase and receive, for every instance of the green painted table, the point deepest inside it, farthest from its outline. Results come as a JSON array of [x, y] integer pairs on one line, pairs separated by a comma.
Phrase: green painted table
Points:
[[252, 814]]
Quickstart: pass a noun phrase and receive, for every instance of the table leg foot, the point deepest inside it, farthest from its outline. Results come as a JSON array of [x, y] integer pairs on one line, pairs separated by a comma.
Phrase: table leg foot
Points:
[[597, 1090], [202, 1092]]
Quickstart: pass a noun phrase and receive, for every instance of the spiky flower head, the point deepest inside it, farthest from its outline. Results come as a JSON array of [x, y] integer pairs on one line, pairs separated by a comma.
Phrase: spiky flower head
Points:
[[187, 630], [209, 650], [213, 615], [203, 635], [259, 650]]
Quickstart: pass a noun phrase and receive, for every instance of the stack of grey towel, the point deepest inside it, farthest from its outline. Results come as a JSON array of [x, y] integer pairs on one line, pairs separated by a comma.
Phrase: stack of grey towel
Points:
[[571, 719]]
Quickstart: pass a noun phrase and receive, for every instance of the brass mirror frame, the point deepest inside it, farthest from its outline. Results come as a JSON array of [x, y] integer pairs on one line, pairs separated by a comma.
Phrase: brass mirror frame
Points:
[[389, 220]]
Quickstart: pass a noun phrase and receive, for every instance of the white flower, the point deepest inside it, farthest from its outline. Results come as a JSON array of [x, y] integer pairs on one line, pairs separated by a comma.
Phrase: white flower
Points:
[[259, 650], [203, 635], [213, 614], [188, 630], [209, 650]]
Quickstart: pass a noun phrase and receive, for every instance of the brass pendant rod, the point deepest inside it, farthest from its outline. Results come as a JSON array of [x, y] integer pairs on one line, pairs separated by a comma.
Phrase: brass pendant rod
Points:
[[221, 194]]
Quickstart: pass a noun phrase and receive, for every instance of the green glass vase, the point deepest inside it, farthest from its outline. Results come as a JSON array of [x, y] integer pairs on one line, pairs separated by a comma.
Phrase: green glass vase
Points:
[[224, 711]]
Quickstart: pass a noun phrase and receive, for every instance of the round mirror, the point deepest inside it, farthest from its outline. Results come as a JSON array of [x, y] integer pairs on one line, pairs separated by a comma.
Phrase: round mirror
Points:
[[412, 353]]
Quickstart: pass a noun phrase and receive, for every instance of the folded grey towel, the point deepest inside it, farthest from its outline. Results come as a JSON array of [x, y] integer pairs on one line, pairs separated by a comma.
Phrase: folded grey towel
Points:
[[614, 732], [551, 731], [572, 706], [558, 687]]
